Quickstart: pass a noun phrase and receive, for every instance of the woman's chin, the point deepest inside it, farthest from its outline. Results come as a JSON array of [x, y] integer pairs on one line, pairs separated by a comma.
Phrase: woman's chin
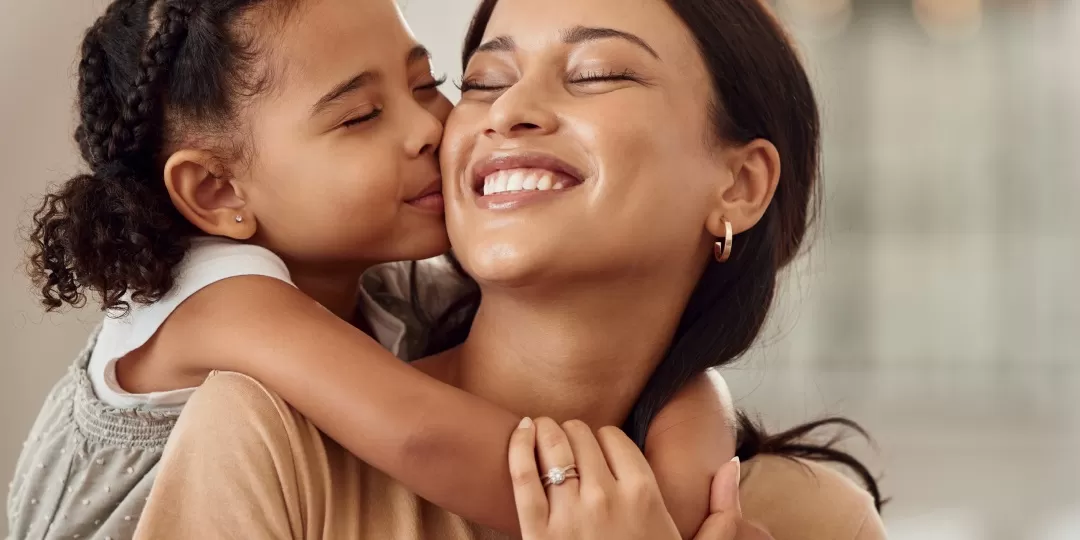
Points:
[[502, 266]]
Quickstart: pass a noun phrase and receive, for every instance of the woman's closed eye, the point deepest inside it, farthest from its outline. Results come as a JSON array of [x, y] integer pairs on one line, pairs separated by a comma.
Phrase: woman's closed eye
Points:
[[476, 84], [603, 75], [587, 77]]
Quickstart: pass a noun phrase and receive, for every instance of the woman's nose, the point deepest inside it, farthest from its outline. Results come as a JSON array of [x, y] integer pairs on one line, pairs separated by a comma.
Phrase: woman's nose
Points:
[[519, 111]]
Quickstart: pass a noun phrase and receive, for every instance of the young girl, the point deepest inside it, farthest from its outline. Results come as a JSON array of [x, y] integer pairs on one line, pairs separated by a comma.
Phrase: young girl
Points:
[[249, 162]]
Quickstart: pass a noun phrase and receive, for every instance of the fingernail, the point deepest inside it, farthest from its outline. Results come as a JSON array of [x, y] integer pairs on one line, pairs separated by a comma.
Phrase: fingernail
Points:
[[525, 423], [738, 470], [724, 496]]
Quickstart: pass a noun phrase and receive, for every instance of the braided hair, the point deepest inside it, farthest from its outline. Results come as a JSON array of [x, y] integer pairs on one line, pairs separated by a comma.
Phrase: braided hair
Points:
[[147, 67]]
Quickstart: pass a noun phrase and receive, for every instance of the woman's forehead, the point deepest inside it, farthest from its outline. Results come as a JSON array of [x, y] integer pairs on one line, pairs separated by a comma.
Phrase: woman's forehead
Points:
[[527, 20]]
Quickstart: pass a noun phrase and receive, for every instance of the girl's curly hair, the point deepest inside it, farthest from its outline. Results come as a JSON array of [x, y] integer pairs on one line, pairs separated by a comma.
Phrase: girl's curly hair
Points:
[[113, 231]]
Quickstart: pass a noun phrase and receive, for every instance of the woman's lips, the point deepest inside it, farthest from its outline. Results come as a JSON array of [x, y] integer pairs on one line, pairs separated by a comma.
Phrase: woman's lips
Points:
[[515, 180], [527, 171], [512, 188], [516, 199]]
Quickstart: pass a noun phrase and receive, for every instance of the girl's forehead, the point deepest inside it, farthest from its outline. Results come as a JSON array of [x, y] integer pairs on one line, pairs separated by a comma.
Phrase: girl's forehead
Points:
[[327, 39]]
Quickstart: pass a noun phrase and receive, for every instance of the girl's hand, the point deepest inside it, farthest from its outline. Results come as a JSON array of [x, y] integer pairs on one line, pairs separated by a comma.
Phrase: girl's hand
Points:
[[607, 491]]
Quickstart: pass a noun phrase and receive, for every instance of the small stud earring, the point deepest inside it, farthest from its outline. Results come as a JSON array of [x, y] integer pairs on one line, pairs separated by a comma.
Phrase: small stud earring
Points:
[[722, 249], [239, 218]]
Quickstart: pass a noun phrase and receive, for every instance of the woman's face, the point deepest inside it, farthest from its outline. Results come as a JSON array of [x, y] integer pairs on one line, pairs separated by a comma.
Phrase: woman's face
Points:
[[344, 141], [581, 146]]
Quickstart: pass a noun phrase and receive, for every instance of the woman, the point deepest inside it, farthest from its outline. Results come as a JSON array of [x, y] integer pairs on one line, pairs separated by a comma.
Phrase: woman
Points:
[[609, 282]]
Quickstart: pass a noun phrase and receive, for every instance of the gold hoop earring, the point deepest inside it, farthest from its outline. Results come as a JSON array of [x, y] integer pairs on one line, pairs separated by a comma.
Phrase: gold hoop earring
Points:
[[722, 248]]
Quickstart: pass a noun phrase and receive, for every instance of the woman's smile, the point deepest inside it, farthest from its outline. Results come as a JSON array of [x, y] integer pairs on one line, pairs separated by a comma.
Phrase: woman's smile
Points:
[[509, 180]]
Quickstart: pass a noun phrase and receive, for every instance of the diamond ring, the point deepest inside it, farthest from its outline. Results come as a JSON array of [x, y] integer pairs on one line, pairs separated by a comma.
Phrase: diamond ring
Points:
[[557, 475]]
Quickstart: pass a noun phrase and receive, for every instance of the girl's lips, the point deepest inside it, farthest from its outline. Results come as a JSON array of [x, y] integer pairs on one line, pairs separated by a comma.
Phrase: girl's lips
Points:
[[431, 198], [432, 202]]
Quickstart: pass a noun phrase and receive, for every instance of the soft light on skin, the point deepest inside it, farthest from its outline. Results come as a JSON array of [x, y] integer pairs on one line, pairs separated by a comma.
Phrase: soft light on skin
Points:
[[654, 181]]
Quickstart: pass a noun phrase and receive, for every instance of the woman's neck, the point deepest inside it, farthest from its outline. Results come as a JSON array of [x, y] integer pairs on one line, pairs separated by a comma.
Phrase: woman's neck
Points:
[[583, 354]]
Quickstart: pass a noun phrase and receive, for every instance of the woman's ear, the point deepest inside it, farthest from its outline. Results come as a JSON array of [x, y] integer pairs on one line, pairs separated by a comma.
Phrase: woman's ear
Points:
[[203, 192], [755, 173]]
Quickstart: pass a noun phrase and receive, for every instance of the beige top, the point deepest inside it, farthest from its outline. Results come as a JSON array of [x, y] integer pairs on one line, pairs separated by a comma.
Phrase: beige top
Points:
[[242, 463]]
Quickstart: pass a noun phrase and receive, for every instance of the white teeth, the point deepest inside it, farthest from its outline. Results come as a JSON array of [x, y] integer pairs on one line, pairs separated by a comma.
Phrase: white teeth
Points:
[[515, 182], [521, 180], [530, 182]]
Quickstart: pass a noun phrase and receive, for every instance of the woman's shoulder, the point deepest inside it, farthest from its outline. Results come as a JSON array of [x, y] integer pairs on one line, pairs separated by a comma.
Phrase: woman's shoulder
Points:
[[233, 466], [236, 395], [800, 499], [240, 407]]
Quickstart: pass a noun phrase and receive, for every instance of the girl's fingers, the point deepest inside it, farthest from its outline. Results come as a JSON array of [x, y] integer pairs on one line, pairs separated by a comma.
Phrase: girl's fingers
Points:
[[529, 496]]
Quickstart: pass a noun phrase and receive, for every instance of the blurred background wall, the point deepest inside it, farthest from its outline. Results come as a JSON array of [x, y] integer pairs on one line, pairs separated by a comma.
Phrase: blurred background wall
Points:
[[938, 305]]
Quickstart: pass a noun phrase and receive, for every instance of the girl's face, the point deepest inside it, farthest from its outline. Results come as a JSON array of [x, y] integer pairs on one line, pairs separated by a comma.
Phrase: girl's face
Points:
[[343, 168]]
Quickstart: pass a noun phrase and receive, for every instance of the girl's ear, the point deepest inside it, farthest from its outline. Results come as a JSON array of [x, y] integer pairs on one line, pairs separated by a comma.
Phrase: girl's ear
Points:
[[200, 188]]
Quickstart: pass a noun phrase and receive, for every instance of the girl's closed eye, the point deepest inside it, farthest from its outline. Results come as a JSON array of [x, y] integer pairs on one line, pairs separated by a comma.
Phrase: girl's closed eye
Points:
[[431, 87], [358, 120]]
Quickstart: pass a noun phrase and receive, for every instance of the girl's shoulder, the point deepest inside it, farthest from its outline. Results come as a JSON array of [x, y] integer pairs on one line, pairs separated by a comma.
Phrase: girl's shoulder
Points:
[[208, 260]]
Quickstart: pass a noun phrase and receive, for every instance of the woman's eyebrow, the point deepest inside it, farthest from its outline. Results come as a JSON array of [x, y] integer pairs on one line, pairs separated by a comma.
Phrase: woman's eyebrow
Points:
[[582, 34], [572, 36]]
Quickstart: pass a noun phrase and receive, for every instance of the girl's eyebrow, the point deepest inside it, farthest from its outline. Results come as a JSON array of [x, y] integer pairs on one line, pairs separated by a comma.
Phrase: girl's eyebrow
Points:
[[343, 89], [416, 53]]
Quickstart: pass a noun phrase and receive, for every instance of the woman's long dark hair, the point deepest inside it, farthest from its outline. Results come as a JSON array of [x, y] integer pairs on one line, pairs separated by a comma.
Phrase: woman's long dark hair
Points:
[[761, 91]]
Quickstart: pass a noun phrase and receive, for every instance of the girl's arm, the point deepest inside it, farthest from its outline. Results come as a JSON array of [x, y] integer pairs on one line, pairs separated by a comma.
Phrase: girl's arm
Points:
[[444, 444]]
